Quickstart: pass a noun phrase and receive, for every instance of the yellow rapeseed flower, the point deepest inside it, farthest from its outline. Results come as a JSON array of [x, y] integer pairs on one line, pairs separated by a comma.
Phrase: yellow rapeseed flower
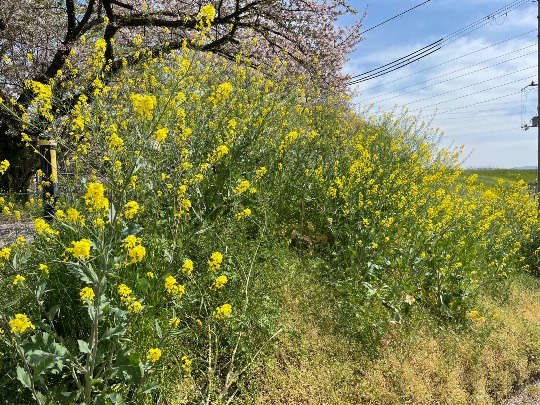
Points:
[[4, 164], [161, 134], [219, 283], [87, 295], [187, 267], [4, 253], [214, 262], [154, 354], [18, 279], [80, 249], [20, 324], [241, 187], [173, 287], [132, 207], [223, 311]]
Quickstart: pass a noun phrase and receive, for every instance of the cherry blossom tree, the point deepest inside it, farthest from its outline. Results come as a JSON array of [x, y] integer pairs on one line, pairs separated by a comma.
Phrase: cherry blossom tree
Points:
[[37, 37]]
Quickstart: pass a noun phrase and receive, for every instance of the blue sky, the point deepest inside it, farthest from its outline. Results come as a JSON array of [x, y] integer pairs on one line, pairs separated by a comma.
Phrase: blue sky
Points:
[[471, 87]]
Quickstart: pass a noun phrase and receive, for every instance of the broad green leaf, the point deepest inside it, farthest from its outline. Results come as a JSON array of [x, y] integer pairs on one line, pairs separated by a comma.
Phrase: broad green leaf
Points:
[[114, 331], [83, 346], [23, 377]]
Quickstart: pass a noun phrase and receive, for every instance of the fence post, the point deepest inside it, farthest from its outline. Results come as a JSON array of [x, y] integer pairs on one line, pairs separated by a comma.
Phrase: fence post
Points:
[[47, 152]]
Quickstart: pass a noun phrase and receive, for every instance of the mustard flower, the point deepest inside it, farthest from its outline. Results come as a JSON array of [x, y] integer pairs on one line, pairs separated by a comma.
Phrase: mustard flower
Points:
[[143, 105], [137, 254], [150, 275], [186, 364], [21, 241], [18, 279], [187, 267], [161, 134], [74, 216], [2, 331], [4, 253], [20, 324], [95, 196], [219, 283], [135, 307], [207, 13], [4, 165], [223, 311], [132, 207], [241, 187], [87, 295], [214, 262], [174, 322], [131, 241], [243, 214], [173, 288], [154, 355], [124, 292], [223, 91], [116, 143], [80, 249], [41, 227], [44, 268], [260, 172]]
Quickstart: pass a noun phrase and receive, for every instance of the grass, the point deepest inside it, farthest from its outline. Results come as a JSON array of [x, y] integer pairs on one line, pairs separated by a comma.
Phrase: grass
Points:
[[419, 361], [491, 176]]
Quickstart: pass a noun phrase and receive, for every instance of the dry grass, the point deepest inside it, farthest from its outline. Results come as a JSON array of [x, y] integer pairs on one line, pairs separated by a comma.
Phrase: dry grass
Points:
[[419, 362]]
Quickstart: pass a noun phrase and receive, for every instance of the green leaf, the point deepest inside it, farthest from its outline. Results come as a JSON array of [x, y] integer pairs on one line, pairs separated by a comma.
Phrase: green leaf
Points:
[[41, 289], [114, 331], [149, 387], [83, 346], [117, 398], [23, 377]]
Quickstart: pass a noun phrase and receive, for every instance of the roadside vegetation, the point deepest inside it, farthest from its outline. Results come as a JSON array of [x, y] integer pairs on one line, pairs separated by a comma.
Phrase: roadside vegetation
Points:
[[225, 235]]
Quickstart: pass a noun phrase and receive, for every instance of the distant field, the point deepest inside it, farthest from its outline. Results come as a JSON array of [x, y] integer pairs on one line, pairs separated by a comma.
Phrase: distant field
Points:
[[490, 176]]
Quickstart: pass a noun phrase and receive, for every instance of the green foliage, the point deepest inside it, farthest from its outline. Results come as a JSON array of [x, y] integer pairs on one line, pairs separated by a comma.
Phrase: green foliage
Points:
[[190, 180]]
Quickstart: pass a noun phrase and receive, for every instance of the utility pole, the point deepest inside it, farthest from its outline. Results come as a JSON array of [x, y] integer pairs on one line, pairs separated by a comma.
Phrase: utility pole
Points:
[[538, 108]]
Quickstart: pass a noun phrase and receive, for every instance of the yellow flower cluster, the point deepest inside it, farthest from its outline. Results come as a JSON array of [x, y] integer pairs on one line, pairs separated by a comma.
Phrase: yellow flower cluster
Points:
[[223, 311], [143, 105], [131, 209], [87, 295], [173, 288], [4, 253], [186, 364], [219, 283], [154, 355], [187, 267], [174, 322], [4, 165], [42, 227], [136, 252], [125, 296], [214, 263], [20, 324], [95, 196], [18, 279], [243, 214], [81, 249], [161, 134], [44, 268], [241, 187]]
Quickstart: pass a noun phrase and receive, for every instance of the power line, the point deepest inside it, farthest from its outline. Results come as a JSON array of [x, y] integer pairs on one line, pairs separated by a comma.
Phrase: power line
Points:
[[448, 61], [398, 63], [423, 52], [457, 77], [475, 84], [396, 16]]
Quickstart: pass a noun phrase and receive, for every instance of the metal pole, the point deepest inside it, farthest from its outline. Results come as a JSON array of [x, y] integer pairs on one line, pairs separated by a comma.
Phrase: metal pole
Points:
[[47, 151]]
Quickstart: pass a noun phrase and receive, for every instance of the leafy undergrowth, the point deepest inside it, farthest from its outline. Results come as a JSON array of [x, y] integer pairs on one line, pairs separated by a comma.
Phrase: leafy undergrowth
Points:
[[419, 360]]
